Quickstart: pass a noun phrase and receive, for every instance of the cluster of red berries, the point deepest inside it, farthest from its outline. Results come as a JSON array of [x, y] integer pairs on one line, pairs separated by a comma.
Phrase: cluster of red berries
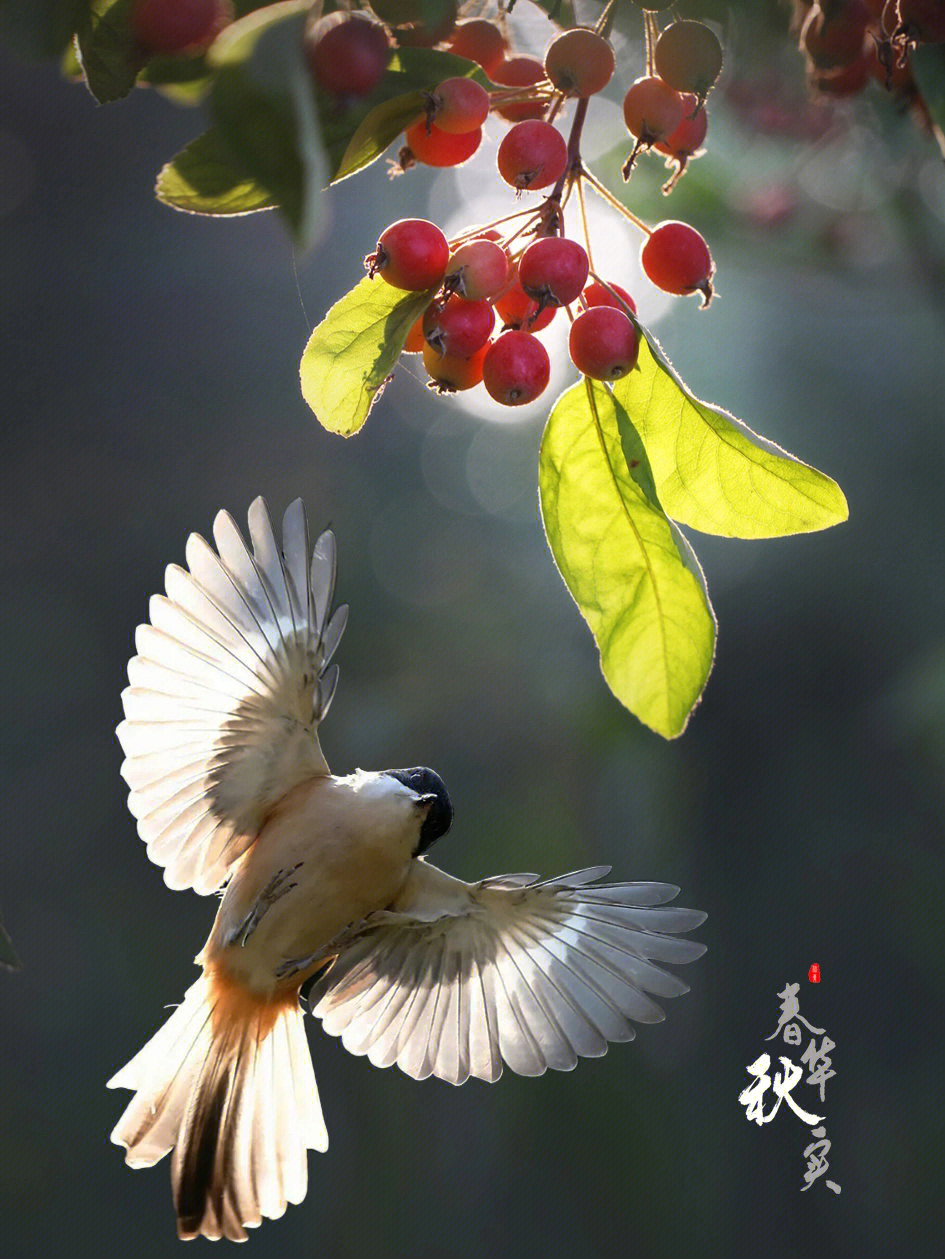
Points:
[[516, 279], [479, 281], [491, 289], [665, 108], [850, 43]]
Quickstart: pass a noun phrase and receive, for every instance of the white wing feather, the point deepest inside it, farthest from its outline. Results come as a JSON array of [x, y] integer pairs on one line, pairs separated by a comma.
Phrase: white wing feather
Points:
[[229, 684], [457, 978]]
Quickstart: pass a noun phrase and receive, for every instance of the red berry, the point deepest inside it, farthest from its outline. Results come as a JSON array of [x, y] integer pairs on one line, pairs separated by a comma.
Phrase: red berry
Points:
[[456, 327], [688, 57], [479, 41], [686, 140], [553, 270], [519, 311], [835, 41], [415, 339], [677, 260], [480, 268], [176, 26], [516, 369], [532, 154], [688, 137], [411, 254], [652, 111], [347, 53], [459, 105], [845, 81], [521, 72], [450, 374], [603, 343], [434, 147], [597, 295], [579, 62]]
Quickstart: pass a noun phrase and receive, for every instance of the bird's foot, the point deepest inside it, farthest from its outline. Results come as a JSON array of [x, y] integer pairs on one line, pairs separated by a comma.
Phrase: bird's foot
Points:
[[293, 965], [280, 883]]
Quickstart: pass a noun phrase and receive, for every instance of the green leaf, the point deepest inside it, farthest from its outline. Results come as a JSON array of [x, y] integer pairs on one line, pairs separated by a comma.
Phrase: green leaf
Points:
[[264, 109], [377, 131], [70, 67], [352, 352], [205, 178], [360, 132], [110, 56], [711, 471], [8, 957], [236, 43], [630, 571], [185, 79]]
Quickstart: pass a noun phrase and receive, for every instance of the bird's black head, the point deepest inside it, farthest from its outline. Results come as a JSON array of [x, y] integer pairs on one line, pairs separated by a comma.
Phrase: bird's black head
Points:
[[432, 794]]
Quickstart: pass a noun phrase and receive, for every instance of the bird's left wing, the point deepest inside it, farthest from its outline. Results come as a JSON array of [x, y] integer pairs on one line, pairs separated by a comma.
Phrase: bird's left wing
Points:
[[456, 978], [229, 684]]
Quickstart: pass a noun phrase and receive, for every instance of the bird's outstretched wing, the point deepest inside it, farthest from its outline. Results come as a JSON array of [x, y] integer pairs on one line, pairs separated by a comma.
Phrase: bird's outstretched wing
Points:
[[456, 978], [229, 684]]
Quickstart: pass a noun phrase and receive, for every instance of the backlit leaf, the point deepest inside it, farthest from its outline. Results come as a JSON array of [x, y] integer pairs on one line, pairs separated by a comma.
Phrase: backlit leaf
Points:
[[711, 471], [350, 355], [205, 178], [632, 575]]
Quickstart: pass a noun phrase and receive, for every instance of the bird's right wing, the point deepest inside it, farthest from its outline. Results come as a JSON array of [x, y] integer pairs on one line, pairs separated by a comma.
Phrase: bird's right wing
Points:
[[229, 684], [456, 978]]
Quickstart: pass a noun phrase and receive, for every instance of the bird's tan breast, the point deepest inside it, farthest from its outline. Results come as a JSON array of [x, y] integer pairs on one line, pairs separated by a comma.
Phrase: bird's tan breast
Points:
[[349, 853]]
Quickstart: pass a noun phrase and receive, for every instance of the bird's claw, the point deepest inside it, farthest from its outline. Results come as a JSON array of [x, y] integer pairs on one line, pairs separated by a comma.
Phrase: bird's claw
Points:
[[292, 966], [277, 886]]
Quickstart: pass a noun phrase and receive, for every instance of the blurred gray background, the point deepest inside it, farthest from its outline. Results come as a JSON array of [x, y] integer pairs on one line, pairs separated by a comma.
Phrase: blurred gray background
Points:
[[150, 377]]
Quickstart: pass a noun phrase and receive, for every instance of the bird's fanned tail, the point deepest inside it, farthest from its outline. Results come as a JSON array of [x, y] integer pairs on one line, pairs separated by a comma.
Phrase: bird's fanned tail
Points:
[[235, 1098]]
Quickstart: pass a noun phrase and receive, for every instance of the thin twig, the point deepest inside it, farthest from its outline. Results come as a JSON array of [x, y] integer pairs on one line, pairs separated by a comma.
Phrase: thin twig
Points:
[[606, 195]]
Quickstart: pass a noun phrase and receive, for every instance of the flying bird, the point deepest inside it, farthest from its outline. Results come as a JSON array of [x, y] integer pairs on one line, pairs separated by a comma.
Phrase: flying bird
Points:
[[325, 878]]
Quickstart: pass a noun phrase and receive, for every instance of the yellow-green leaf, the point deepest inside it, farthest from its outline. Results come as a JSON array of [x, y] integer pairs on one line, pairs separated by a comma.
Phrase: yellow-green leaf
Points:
[[350, 355], [377, 130], [711, 471], [632, 575], [205, 178]]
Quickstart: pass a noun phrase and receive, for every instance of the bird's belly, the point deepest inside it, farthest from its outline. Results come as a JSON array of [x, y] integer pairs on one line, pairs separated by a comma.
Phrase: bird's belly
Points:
[[327, 897], [330, 877]]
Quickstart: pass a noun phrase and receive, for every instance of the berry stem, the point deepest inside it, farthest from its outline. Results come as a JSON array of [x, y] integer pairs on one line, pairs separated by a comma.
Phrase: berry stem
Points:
[[523, 227], [587, 235], [631, 314], [605, 21], [606, 195], [651, 32], [473, 232], [555, 107], [574, 151], [520, 95]]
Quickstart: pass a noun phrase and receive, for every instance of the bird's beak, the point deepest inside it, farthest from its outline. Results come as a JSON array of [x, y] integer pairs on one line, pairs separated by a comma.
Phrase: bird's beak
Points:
[[425, 802]]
